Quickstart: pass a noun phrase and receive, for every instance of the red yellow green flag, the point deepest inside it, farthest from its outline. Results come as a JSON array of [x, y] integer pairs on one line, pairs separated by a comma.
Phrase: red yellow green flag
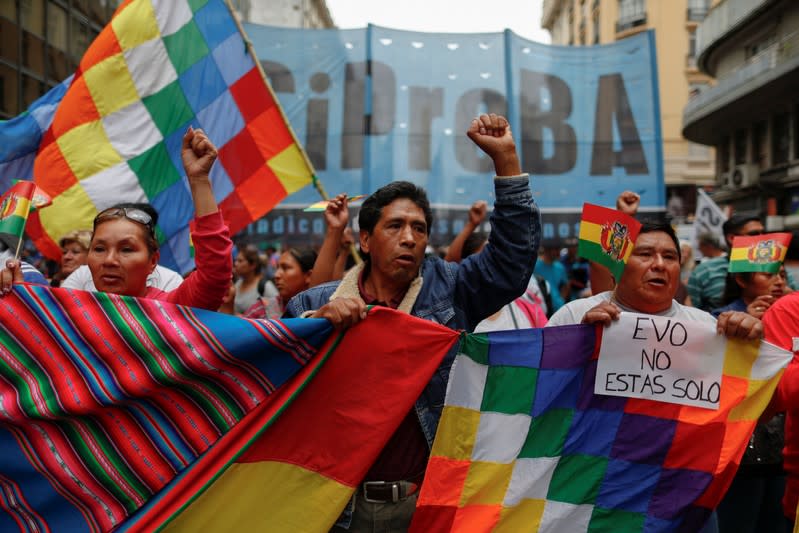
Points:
[[607, 237], [759, 253], [298, 473], [322, 204], [40, 198], [15, 206]]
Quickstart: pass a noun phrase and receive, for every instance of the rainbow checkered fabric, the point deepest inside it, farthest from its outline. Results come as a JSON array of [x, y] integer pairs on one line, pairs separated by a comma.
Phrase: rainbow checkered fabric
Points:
[[159, 67]]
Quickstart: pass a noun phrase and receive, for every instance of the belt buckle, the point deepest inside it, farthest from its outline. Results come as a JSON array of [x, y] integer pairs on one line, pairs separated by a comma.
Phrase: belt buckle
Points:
[[394, 491]]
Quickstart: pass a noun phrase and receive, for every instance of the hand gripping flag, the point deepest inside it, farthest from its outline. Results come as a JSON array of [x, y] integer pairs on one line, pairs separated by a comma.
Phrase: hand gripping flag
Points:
[[607, 236], [524, 443], [759, 253], [159, 67]]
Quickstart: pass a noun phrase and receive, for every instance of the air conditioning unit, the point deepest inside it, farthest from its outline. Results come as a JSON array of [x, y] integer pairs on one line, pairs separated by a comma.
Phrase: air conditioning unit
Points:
[[743, 176], [723, 179]]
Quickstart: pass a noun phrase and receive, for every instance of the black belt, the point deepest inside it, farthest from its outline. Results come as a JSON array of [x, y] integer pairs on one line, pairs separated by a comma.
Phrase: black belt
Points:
[[388, 491]]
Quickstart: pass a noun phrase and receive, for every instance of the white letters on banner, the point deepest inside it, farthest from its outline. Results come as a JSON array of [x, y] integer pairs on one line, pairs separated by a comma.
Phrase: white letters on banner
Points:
[[663, 359]]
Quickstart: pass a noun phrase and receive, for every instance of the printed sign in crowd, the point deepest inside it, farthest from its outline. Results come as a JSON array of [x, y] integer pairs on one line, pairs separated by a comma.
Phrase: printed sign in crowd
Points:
[[660, 358]]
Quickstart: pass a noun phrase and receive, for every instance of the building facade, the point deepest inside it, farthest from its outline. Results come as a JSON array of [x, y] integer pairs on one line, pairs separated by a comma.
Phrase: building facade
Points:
[[591, 22], [41, 43], [288, 13], [751, 115]]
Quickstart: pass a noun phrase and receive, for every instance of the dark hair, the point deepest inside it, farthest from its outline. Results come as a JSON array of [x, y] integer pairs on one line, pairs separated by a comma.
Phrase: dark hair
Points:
[[472, 243], [373, 206], [733, 291], [306, 257], [737, 221], [710, 239], [252, 255], [149, 236], [650, 226]]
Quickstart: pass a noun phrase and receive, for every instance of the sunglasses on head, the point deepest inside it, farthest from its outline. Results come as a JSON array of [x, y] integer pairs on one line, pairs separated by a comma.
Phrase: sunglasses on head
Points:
[[131, 213]]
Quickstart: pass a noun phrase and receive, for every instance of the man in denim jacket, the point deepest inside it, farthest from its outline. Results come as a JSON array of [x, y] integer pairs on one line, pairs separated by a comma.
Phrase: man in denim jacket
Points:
[[395, 224]]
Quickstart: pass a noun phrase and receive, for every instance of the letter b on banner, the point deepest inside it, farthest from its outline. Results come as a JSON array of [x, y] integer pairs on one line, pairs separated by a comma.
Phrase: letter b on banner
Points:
[[545, 105]]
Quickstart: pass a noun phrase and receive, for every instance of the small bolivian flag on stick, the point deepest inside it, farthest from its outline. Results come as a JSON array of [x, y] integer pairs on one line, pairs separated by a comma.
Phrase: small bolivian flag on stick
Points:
[[607, 237], [15, 205], [759, 253], [322, 204], [40, 198]]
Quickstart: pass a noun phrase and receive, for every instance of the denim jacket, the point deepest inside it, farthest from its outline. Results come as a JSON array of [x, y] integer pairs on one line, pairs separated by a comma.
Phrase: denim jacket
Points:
[[458, 295]]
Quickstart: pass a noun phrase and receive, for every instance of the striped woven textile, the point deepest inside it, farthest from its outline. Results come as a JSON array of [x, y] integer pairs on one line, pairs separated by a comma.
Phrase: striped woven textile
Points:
[[106, 400]]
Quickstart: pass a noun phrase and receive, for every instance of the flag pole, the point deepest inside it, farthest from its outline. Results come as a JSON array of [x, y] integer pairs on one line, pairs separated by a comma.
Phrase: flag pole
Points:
[[19, 247], [314, 180]]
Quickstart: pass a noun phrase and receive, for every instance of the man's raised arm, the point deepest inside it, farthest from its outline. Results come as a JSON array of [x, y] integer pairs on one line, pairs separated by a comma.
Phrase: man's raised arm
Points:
[[500, 273]]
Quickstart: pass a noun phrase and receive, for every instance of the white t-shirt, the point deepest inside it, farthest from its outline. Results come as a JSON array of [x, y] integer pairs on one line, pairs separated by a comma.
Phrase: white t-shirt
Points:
[[161, 278], [574, 311]]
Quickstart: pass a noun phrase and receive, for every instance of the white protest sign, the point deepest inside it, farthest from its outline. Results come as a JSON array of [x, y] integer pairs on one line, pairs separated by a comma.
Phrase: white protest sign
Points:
[[663, 359]]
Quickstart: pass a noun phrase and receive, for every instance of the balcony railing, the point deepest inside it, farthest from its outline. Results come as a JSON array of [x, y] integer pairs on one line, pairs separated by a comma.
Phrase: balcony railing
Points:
[[697, 14], [723, 18], [631, 21], [782, 51]]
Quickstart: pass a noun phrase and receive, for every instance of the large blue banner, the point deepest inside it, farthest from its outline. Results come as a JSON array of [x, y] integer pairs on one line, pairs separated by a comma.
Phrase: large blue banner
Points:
[[376, 104]]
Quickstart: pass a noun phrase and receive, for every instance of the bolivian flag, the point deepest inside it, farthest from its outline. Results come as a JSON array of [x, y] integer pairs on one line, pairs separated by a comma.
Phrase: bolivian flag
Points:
[[296, 472], [322, 204], [607, 237], [759, 253], [15, 206]]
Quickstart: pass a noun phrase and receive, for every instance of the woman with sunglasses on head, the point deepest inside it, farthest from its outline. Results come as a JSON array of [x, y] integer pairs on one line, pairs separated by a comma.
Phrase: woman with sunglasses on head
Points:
[[124, 250]]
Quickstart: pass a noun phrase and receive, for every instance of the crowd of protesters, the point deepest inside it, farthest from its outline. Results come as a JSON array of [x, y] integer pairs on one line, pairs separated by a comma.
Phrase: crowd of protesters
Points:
[[497, 280]]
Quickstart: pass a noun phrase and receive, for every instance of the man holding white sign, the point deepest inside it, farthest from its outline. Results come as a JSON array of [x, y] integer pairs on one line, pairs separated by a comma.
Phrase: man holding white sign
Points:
[[654, 357], [648, 285]]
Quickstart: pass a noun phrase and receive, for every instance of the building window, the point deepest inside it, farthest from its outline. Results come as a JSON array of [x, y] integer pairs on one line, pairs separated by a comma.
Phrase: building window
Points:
[[9, 34], [740, 147], [780, 138], [31, 90], [690, 60], [571, 24], [81, 36], [697, 10], [32, 16], [724, 154], [632, 13], [755, 50], [796, 132], [760, 144], [596, 28], [8, 10], [57, 26]]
